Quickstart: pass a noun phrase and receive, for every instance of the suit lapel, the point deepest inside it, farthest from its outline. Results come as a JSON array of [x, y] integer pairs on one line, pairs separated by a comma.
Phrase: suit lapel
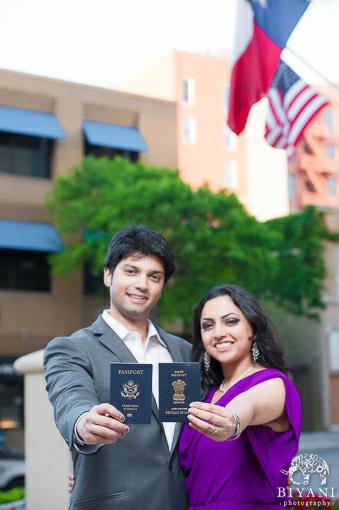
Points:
[[177, 357], [171, 345], [116, 345]]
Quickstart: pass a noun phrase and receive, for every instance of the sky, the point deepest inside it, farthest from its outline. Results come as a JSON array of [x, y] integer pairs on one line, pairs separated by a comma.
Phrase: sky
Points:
[[102, 42]]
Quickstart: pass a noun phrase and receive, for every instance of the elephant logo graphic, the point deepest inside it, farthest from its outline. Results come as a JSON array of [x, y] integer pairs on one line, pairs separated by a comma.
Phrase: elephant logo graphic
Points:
[[307, 464]]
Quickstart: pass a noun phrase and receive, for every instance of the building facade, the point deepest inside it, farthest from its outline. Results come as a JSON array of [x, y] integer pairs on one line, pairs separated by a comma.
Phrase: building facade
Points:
[[46, 127], [209, 153], [313, 177]]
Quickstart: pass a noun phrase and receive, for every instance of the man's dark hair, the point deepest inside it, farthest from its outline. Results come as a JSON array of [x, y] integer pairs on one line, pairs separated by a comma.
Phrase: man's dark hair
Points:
[[139, 239]]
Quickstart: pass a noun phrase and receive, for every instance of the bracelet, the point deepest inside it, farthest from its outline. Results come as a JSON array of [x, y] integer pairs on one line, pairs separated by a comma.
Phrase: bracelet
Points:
[[237, 427]]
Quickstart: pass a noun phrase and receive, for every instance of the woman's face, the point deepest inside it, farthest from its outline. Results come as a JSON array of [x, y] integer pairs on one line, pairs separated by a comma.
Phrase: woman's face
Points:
[[226, 333]]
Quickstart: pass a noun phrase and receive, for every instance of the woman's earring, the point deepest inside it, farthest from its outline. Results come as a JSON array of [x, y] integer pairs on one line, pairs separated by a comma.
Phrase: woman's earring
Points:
[[207, 361], [255, 352]]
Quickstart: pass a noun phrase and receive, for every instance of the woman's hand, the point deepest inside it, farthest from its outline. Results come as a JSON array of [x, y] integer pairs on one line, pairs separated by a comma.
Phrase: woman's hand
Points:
[[216, 422], [261, 405]]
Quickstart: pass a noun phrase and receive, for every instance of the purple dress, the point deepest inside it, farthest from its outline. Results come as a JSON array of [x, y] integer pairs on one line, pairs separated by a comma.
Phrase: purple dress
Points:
[[243, 474]]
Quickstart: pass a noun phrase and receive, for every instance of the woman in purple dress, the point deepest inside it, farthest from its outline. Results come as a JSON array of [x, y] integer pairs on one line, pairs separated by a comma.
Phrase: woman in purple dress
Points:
[[238, 445]]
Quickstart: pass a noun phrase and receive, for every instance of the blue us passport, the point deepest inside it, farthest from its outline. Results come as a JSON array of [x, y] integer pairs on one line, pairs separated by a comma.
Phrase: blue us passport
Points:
[[179, 384], [131, 390]]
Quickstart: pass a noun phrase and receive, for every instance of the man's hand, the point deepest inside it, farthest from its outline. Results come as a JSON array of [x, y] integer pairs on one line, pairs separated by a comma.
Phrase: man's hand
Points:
[[71, 483], [102, 425]]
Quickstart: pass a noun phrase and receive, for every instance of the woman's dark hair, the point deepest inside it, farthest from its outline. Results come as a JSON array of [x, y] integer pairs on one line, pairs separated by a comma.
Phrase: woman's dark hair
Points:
[[142, 240], [271, 352]]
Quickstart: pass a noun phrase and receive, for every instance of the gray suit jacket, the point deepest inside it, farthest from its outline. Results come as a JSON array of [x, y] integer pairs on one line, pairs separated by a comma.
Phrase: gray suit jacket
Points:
[[137, 472]]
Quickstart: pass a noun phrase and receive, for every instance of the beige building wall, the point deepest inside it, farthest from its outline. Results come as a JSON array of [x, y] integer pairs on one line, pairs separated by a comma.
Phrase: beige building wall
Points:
[[29, 319], [158, 79]]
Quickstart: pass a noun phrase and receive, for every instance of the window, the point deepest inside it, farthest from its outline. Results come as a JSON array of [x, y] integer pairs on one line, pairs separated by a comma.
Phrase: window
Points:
[[231, 174], [25, 155], [329, 121], [11, 395], [188, 91], [189, 129], [226, 97], [305, 147], [108, 152], [330, 150], [230, 138], [92, 284], [309, 186], [334, 350], [292, 186], [24, 270], [332, 186]]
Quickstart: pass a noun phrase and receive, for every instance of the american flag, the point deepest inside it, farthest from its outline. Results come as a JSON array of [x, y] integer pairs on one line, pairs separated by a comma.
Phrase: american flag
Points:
[[292, 104]]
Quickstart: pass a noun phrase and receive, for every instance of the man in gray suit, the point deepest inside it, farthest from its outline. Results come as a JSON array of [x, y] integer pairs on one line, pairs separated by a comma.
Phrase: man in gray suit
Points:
[[118, 466]]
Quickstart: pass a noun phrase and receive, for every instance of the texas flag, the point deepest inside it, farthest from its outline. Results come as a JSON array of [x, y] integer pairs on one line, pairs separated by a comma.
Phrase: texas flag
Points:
[[263, 29]]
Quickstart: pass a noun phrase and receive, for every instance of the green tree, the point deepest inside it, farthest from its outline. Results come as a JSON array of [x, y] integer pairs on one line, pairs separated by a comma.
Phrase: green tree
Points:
[[298, 283], [214, 239]]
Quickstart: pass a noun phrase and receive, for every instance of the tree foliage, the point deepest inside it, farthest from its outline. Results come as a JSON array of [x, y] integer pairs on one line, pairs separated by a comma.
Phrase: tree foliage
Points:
[[213, 237], [298, 283]]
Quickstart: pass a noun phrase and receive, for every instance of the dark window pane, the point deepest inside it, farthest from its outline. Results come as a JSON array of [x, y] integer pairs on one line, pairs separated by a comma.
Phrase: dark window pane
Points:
[[306, 148], [108, 152], [25, 155], [93, 284], [309, 186], [11, 396], [24, 270]]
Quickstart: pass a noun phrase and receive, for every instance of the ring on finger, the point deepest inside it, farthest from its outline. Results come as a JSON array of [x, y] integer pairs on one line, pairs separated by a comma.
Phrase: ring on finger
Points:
[[215, 431]]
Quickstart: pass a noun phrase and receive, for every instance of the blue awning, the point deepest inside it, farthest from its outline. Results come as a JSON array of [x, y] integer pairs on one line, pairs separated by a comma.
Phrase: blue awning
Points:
[[26, 235], [29, 122], [114, 136]]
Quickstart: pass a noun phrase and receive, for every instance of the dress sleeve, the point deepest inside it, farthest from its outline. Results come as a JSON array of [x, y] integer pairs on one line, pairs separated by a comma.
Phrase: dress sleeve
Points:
[[275, 450]]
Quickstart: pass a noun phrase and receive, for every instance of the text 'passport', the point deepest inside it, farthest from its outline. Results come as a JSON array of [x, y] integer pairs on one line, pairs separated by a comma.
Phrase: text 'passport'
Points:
[[131, 390]]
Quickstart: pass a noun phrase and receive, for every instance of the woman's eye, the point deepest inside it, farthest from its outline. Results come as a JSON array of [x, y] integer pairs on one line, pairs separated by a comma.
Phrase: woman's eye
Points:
[[205, 327], [232, 322]]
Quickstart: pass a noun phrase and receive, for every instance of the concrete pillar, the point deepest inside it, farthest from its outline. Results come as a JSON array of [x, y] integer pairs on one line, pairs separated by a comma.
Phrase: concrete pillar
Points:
[[48, 461]]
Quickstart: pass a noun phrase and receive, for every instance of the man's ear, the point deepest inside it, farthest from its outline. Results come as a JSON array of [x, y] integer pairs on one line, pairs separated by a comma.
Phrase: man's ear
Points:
[[107, 277]]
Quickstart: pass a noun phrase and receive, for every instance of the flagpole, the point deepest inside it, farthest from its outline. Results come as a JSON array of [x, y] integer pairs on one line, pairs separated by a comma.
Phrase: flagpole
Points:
[[307, 64]]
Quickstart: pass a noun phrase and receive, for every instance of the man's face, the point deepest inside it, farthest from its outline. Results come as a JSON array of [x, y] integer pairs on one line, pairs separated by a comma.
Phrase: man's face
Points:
[[135, 287]]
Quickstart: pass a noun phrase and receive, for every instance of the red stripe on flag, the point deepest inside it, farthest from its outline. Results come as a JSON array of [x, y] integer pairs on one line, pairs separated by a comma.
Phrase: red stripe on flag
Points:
[[251, 76]]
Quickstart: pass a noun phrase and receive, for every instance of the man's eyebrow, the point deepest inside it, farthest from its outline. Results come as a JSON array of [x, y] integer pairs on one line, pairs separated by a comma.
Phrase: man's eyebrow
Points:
[[152, 271]]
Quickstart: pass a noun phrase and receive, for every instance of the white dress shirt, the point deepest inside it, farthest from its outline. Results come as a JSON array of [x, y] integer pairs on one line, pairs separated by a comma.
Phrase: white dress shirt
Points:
[[153, 350]]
